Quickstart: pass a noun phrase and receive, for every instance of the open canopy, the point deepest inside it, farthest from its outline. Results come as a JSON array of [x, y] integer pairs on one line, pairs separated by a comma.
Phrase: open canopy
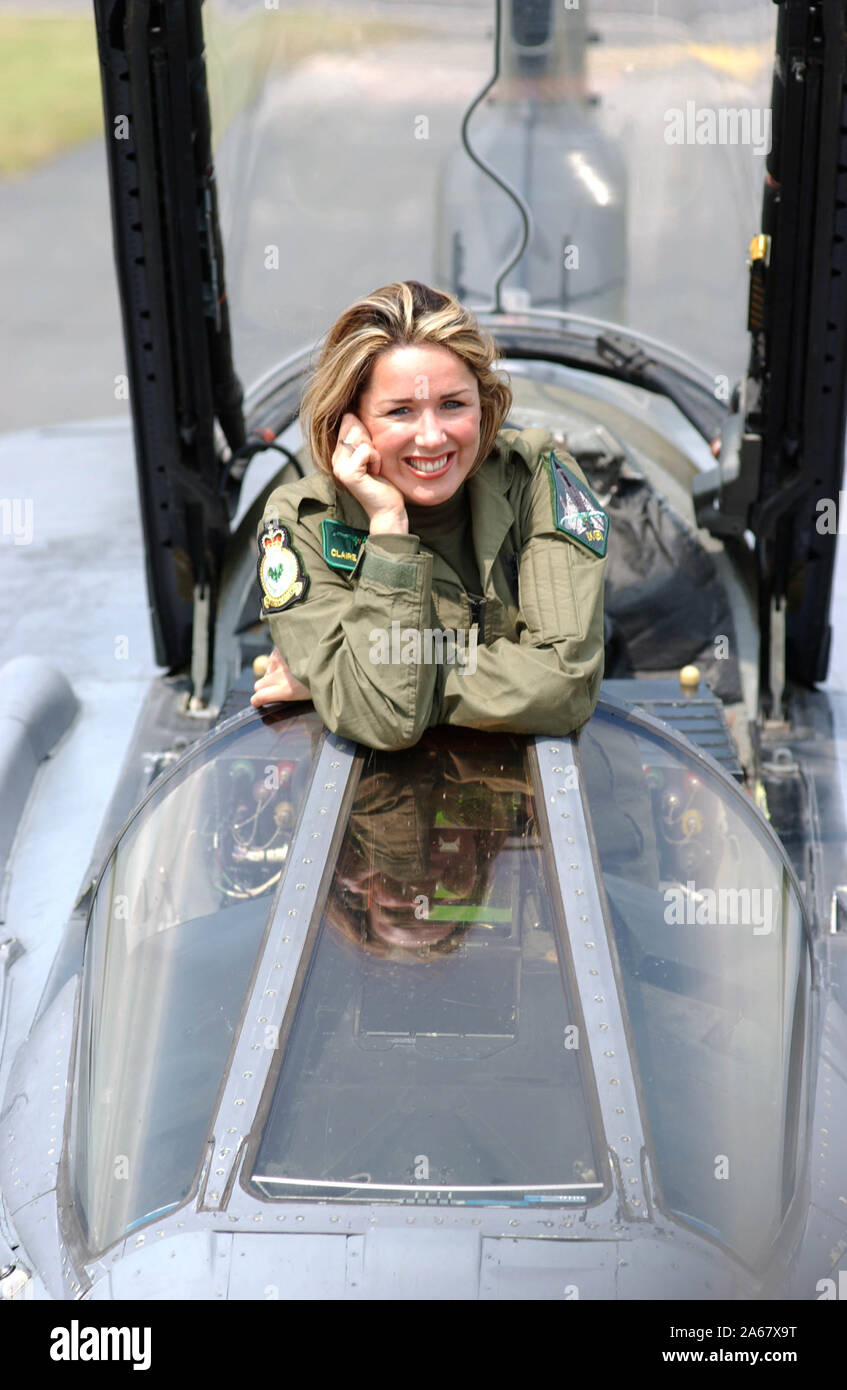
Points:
[[613, 159]]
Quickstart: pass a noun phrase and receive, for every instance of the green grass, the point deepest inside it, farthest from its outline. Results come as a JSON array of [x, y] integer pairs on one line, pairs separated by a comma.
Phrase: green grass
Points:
[[50, 81], [51, 89], [239, 51]]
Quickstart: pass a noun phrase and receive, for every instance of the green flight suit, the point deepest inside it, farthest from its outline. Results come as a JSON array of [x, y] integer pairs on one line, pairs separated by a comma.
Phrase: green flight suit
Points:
[[539, 660]]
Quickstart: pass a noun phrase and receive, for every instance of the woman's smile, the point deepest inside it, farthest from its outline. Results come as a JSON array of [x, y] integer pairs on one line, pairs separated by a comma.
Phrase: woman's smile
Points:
[[430, 467]]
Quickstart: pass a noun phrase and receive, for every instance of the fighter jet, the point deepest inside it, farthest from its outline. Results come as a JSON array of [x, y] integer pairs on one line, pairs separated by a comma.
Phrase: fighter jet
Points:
[[494, 1017]]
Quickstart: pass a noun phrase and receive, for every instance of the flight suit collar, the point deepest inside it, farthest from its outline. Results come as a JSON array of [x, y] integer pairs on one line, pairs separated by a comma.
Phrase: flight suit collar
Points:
[[352, 512], [491, 512], [322, 489]]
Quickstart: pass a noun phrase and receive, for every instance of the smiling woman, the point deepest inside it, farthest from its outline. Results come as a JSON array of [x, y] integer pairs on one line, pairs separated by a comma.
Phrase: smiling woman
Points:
[[429, 530]]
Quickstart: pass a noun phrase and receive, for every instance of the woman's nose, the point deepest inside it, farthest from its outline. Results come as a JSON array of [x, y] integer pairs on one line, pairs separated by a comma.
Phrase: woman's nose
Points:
[[428, 430]]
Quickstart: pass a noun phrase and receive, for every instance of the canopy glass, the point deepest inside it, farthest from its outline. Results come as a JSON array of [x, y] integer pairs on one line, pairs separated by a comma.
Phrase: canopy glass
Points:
[[635, 131]]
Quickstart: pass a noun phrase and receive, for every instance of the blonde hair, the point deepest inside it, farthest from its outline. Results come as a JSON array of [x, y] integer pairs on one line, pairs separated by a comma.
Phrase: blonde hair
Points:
[[403, 314]]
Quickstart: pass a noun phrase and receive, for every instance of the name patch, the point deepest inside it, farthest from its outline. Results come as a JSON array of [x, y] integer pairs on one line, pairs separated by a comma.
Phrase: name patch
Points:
[[341, 544], [576, 510]]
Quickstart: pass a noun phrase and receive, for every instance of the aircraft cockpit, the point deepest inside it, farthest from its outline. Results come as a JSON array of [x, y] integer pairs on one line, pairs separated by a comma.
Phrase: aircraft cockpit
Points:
[[474, 977], [494, 1016]]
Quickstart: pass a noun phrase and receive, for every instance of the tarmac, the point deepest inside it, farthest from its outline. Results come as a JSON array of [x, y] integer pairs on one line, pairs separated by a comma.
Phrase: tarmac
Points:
[[60, 333]]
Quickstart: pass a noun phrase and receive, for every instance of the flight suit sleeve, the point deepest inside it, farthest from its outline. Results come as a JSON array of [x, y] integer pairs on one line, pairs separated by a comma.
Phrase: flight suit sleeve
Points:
[[337, 637], [549, 680]]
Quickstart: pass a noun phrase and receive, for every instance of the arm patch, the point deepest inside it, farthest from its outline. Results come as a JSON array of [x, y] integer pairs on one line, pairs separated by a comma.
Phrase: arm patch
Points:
[[282, 575], [576, 510]]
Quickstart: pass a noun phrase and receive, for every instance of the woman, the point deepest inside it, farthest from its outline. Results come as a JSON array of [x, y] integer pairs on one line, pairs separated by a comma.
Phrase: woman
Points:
[[437, 569]]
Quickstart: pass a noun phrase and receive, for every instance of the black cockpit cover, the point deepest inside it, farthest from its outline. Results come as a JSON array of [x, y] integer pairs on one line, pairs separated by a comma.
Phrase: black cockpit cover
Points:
[[666, 601]]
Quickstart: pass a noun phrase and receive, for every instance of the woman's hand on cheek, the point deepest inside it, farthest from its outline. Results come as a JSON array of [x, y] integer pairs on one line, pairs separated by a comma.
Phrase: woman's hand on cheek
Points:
[[278, 684], [356, 466]]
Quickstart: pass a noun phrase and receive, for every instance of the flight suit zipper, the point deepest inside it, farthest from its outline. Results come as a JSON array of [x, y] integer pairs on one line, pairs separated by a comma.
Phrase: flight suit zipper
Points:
[[477, 612]]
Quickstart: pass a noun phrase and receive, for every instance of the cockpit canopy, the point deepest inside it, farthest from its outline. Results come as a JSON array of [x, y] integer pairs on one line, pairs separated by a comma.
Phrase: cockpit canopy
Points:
[[435, 1035]]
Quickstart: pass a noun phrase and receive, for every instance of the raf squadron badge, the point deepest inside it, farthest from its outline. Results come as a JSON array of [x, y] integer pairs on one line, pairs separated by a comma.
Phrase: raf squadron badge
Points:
[[282, 578], [576, 510]]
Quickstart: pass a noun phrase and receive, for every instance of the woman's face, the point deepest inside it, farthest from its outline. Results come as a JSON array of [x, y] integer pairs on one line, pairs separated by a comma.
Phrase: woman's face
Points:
[[421, 410]]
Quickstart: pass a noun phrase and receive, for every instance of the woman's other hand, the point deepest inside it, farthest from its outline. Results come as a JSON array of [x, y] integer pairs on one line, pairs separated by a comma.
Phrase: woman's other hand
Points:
[[278, 684], [356, 465]]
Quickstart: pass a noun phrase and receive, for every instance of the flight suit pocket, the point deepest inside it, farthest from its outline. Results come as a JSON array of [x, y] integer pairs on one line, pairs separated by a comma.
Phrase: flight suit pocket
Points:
[[547, 592]]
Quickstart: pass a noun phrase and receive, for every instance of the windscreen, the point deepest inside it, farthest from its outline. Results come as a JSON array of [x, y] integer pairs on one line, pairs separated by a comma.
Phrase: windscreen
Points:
[[715, 971], [175, 928], [634, 132], [433, 1054]]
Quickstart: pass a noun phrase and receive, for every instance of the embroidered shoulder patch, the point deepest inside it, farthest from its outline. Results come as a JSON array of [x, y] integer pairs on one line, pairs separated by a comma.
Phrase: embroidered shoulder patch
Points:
[[341, 544], [282, 577], [576, 510]]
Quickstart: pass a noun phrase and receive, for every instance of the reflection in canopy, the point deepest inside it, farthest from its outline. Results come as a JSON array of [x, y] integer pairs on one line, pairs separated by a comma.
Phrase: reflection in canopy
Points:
[[433, 1048], [417, 866]]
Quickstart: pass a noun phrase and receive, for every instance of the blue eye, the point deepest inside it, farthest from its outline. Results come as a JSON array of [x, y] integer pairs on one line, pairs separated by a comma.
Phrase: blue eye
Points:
[[398, 409]]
